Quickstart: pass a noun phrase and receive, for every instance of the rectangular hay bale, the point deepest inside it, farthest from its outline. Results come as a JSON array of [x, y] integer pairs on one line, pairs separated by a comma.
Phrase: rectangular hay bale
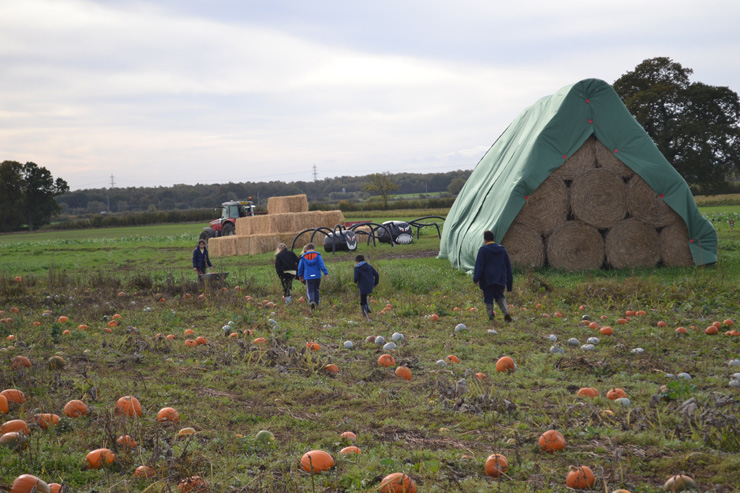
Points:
[[287, 203]]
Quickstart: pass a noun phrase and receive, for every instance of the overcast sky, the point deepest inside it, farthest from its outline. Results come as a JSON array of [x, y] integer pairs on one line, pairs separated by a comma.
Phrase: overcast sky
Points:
[[209, 91]]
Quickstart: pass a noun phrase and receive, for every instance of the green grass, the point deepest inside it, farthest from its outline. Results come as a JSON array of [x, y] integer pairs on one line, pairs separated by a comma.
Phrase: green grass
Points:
[[228, 390]]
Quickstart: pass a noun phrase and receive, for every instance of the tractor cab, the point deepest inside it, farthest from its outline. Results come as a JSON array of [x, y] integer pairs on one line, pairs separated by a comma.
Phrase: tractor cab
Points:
[[235, 210]]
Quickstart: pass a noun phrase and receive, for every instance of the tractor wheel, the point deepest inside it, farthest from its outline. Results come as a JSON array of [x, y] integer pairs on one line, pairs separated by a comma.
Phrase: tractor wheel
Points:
[[228, 229]]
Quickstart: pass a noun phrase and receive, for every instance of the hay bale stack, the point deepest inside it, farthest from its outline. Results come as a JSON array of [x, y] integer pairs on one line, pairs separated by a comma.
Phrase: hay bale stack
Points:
[[632, 243], [243, 245], [598, 197], [526, 248], [546, 208], [646, 205], [286, 204], [575, 246], [581, 161], [674, 245], [607, 159], [295, 221], [224, 246]]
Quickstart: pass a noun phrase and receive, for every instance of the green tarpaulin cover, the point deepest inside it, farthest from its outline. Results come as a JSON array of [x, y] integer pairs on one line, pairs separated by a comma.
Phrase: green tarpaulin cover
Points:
[[539, 141]]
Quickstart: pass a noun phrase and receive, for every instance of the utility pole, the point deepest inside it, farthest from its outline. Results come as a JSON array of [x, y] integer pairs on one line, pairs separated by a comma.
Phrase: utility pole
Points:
[[315, 173]]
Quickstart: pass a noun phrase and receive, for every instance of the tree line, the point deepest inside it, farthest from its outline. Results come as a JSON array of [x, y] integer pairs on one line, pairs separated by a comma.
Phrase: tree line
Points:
[[696, 126]]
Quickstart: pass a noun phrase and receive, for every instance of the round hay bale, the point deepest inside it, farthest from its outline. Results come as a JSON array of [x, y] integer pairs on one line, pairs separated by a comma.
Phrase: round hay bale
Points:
[[646, 205], [606, 159], [546, 208], [525, 247], [575, 246], [598, 197], [632, 243], [674, 245], [582, 160]]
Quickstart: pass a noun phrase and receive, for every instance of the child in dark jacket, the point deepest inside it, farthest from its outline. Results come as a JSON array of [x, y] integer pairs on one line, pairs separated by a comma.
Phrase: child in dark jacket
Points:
[[286, 266], [366, 278], [492, 274]]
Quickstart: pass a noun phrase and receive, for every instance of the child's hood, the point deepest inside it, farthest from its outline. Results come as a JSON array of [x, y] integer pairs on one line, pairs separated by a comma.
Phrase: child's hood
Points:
[[311, 258]]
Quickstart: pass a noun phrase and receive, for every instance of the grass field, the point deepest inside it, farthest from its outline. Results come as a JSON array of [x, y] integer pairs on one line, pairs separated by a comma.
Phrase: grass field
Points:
[[438, 428]]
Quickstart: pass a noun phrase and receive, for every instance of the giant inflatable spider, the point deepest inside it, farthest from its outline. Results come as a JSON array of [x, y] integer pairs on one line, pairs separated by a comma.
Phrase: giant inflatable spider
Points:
[[344, 238]]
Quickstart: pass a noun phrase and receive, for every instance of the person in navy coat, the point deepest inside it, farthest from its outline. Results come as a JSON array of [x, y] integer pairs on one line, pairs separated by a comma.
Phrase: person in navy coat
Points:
[[366, 278], [492, 274]]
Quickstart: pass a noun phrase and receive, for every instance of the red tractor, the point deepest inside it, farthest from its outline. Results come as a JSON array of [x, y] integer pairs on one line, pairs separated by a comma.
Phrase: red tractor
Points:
[[226, 224]]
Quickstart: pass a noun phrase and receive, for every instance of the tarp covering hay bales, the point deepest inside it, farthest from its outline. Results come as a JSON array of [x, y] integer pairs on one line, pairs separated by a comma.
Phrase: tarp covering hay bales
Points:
[[547, 207], [598, 197], [674, 245], [584, 135], [575, 246], [525, 246], [632, 243], [287, 203]]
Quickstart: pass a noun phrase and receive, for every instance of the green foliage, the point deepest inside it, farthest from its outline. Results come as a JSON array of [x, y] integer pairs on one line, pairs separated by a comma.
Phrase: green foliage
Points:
[[27, 195], [694, 125], [381, 184]]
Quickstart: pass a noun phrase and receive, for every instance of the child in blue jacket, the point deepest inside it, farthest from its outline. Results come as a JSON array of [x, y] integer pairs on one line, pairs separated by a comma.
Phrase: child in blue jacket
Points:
[[492, 274], [366, 278], [310, 267]]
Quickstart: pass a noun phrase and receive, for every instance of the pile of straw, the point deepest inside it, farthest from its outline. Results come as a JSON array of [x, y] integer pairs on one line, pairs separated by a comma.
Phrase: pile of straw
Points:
[[582, 160], [607, 159], [575, 246], [287, 204], [632, 243], [646, 205], [546, 208], [599, 198], [674, 245], [224, 246], [278, 223], [525, 247], [616, 219]]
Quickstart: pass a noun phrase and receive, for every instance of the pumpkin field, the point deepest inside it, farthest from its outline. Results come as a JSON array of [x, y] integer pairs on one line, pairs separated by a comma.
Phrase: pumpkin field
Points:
[[120, 372]]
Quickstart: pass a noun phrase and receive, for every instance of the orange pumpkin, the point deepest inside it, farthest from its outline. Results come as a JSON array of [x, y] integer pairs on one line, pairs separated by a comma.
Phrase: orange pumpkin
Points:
[[552, 440], [144, 472], [350, 450], [452, 359], [62, 319], [25, 483], [711, 330], [606, 331], [259, 341], [403, 372], [14, 395], [82, 327], [75, 408], [15, 425], [681, 330], [113, 324], [629, 313], [4, 408], [20, 362], [100, 457], [397, 482], [170, 337], [66, 332], [201, 340], [190, 343], [615, 393], [728, 322], [313, 346], [594, 325], [45, 420], [717, 324], [434, 317], [481, 376], [662, 324], [18, 279], [580, 478], [505, 363], [56, 488], [316, 461], [14, 440], [188, 332], [588, 392], [348, 435], [193, 483], [331, 368], [168, 414], [386, 360], [640, 313], [127, 441], [496, 465], [129, 406]]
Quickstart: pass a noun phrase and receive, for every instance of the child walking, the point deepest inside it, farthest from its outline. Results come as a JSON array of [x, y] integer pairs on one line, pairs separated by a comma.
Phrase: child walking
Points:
[[310, 267], [366, 278], [286, 265]]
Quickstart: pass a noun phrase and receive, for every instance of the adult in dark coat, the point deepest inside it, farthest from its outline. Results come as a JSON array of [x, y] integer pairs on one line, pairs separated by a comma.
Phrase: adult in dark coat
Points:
[[286, 265], [492, 274], [200, 258]]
